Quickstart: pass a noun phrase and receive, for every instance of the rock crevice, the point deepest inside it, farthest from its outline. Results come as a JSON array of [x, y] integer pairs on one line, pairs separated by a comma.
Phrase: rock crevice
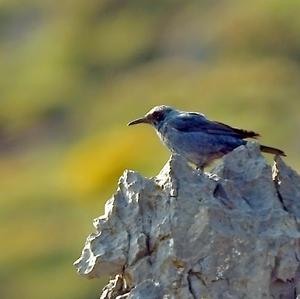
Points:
[[232, 233]]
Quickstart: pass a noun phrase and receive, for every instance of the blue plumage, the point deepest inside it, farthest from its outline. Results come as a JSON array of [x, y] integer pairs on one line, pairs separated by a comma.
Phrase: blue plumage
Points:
[[196, 138]]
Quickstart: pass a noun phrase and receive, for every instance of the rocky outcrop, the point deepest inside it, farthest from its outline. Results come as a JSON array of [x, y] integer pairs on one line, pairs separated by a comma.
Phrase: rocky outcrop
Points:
[[231, 233]]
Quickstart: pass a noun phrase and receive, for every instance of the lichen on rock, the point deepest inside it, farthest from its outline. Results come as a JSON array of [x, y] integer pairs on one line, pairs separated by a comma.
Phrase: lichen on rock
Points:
[[231, 233]]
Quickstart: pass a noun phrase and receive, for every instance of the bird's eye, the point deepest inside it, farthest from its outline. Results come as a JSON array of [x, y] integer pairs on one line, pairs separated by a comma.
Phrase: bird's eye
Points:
[[157, 115]]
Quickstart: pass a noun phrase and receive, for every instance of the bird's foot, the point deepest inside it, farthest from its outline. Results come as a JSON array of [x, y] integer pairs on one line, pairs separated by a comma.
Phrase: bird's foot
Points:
[[200, 168]]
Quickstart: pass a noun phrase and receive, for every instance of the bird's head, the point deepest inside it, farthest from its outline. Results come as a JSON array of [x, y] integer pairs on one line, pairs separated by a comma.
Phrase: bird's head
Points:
[[154, 117]]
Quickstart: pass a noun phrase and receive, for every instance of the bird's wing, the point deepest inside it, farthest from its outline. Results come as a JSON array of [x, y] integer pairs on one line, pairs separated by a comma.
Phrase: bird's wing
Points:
[[196, 122]]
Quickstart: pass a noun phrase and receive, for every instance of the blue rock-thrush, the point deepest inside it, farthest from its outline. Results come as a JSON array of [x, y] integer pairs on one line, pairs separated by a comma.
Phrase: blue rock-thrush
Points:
[[196, 138]]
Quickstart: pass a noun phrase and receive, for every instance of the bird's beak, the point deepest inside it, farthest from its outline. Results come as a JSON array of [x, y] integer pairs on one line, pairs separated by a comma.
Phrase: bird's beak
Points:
[[143, 120]]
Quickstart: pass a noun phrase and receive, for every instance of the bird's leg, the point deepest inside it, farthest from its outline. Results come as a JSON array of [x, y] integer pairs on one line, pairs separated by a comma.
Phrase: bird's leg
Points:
[[200, 168]]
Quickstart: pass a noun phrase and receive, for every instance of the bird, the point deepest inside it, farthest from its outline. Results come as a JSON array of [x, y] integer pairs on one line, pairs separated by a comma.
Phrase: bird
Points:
[[196, 138]]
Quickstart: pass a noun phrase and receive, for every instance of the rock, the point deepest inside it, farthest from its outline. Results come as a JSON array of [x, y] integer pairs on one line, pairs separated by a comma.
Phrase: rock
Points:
[[232, 233]]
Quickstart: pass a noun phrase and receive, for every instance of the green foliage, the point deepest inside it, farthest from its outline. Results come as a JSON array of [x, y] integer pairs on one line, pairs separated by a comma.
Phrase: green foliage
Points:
[[73, 73]]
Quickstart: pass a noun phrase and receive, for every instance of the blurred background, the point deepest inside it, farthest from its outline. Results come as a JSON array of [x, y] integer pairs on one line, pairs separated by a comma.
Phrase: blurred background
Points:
[[73, 73]]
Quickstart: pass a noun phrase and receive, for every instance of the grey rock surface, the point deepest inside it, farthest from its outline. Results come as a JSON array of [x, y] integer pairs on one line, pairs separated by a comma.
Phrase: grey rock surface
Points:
[[232, 233]]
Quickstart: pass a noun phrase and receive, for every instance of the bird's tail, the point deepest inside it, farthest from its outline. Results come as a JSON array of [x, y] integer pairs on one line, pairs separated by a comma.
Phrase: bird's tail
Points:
[[272, 150]]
